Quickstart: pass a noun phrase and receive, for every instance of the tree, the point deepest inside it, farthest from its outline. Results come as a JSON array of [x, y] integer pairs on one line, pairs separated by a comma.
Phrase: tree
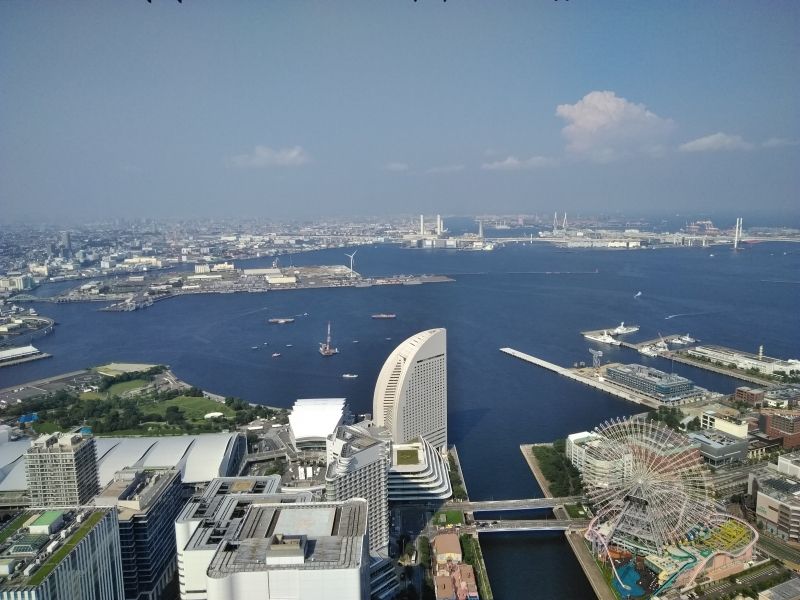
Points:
[[174, 415]]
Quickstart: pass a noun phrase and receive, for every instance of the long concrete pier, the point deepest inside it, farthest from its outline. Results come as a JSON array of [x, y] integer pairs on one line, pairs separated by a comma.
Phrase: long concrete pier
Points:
[[604, 386]]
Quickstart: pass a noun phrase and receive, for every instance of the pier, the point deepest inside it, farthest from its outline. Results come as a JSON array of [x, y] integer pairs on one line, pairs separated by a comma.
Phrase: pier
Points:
[[604, 386]]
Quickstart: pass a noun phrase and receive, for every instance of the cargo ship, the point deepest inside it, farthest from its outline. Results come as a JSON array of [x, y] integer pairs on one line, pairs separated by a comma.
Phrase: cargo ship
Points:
[[604, 338], [325, 348], [384, 316]]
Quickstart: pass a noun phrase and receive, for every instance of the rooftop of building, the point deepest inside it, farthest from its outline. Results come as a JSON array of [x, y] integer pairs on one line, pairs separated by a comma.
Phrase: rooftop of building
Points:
[[317, 418], [788, 590], [326, 535], [29, 550], [725, 417], [57, 442], [649, 373], [219, 499], [715, 439], [742, 354], [134, 491]]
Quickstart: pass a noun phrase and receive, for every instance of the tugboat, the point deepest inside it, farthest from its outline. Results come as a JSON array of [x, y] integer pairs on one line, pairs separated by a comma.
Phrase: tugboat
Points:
[[325, 348]]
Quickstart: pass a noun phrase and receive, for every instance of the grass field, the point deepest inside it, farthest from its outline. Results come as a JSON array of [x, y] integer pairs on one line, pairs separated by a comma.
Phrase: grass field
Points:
[[194, 408], [126, 386], [408, 457], [575, 511], [449, 517], [118, 389]]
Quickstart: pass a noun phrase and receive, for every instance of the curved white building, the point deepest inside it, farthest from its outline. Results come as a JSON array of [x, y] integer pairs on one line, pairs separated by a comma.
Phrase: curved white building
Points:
[[410, 397], [418, 474]]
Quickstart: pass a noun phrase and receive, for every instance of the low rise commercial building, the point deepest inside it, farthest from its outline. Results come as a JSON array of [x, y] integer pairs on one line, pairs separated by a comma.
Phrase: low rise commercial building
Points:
[[58, 554], [725, 423], [584, 452], [784, 425], [718, 448], [668, 388], [744, 361], [447, 548], [776, 491], [751, 396]]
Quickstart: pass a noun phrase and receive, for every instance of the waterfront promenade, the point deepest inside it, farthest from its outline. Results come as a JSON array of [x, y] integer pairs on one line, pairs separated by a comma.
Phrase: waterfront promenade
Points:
[[574, 532]]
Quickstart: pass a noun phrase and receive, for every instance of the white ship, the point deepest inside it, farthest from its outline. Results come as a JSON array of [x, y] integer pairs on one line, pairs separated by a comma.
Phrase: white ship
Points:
[[684, 339], [604, 338], [648, 351], [621, 329], [349, 375]]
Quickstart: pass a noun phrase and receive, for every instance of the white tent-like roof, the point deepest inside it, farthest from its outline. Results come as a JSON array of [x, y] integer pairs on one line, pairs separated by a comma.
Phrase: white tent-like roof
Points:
[[317, 418]]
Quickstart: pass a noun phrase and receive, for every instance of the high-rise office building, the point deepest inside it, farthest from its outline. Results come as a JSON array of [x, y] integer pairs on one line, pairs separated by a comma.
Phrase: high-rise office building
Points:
[[148, 502], [58, 554], [410, 397], [358, 466], [61, 470]]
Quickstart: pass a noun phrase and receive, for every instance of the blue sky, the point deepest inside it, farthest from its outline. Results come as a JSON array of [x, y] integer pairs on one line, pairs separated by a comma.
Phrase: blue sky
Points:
[[334, 108]]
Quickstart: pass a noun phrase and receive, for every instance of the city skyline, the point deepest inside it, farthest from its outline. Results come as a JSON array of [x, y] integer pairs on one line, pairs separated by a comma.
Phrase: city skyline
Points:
[[168, 109]]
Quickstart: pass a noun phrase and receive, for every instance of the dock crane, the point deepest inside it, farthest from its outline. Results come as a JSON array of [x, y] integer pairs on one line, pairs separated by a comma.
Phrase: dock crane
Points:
[[596, 356]]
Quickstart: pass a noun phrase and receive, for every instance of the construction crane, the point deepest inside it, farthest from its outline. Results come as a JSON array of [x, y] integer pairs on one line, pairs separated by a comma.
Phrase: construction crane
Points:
[[596, 356]]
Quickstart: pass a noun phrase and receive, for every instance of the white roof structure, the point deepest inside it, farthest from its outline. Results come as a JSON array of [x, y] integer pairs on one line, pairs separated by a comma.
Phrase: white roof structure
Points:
[[317, 418], [19, 352], [198, 457]]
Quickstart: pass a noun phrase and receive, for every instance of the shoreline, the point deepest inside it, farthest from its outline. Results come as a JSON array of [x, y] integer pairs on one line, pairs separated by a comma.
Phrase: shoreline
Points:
[[573, 536]]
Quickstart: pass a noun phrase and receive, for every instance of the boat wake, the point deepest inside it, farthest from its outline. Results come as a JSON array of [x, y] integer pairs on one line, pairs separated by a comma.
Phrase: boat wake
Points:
[[695, 314]]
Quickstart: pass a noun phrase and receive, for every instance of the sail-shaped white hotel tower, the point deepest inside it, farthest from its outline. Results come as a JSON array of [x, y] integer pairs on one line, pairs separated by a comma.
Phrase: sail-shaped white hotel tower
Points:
[[411, 392]]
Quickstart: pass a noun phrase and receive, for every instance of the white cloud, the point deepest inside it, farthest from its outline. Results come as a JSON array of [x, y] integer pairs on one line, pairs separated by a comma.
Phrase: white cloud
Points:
[[603, 127], [264, 157], [397, 167], [512, 163], [775, 142], [716, 142], [445, 169]]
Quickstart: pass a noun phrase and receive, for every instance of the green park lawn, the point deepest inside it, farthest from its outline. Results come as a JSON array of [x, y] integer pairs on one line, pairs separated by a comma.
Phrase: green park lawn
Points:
[[194, 408]]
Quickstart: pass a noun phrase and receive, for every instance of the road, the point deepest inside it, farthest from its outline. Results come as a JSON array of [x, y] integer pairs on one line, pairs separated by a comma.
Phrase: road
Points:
[[725, 588]]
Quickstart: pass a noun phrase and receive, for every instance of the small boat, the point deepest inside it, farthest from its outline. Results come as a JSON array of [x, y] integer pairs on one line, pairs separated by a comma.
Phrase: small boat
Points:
[[637, 295], [280, 321], [255, 347], [384, 316], [355, 341], [289, 345], [349, 376], [276, 354], [687, 339]]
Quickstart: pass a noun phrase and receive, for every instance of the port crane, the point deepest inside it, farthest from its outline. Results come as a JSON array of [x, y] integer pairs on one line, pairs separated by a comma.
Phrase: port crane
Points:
[[596, 356]]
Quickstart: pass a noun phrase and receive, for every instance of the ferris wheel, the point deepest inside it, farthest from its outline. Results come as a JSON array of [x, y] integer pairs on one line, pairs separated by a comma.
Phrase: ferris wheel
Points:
[[647, 485]]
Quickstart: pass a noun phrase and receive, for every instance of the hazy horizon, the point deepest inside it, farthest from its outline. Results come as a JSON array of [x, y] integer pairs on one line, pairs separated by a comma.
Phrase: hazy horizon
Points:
[[284, 110]]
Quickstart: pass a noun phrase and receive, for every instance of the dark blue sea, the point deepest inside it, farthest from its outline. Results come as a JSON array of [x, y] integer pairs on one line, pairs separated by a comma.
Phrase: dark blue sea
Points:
[[535, 298]]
